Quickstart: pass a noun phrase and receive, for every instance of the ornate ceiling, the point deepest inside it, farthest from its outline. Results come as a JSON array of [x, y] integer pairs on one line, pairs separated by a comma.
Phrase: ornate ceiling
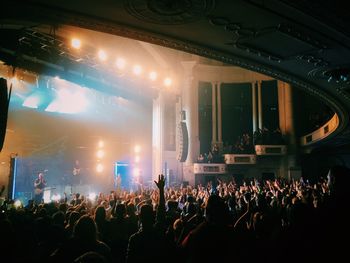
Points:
[[305, 43]]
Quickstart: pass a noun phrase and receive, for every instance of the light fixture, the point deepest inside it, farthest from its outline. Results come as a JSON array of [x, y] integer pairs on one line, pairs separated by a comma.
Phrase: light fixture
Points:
[[167, 82], [120, 63], [102, 55], [137, 69], [100, 154], [153, 75], [76, 43], [137, 148]]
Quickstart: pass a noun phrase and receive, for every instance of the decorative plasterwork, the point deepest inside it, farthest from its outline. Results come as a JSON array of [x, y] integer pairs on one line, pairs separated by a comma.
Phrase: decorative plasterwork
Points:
[[84, 21], [251, 40], [169, 12]]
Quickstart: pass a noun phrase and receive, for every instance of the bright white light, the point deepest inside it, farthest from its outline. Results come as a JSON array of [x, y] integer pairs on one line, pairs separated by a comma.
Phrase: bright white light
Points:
[[153, 75], [136, 172], [68, 102], [14, 81], [137, 69], [100, 154], [31, 102], [120, 63], [167, 82], [17, 203], [137, 148], [102, 55], [101, 144], [76, 43], [137, 159], [92, 196], [56, 197], [99, 168]]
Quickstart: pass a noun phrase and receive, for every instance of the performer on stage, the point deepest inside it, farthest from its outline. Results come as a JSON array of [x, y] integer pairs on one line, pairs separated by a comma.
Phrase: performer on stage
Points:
[[39, 185]]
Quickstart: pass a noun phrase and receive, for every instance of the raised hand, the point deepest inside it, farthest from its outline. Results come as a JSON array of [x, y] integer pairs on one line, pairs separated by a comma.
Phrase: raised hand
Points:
[[161, 181]]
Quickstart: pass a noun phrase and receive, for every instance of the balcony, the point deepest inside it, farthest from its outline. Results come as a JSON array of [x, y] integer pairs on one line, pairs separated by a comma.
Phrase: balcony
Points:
[[209, 168], [270, 149], [240, 159]]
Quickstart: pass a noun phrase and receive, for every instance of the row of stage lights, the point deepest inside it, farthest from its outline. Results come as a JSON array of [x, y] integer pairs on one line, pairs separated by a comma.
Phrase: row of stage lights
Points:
[[137, 151], [100, 154], [121, 64]]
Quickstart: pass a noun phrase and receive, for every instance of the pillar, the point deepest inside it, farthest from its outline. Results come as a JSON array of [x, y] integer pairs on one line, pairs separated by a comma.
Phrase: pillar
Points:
[[219, 114], [190, 106], [157, 135], [286, 122], [213, 116], [255, 119], [260, 113]]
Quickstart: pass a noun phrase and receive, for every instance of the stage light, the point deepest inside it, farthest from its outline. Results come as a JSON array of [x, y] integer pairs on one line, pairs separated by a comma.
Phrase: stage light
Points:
[[153, 75], [137, 159], [68, 102], [120, 63], [101, 144], [76, 43], [100, 154], [92, 196], [137, 69], [31, 102], [167, 82], [17, 203], [137, 148], [14, 81], [99, 168], [56, 197], [136, 172], [102, 55]]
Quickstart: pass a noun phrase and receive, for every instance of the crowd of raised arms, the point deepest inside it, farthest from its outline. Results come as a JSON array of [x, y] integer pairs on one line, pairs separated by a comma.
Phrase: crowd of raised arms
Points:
[[293, 221]]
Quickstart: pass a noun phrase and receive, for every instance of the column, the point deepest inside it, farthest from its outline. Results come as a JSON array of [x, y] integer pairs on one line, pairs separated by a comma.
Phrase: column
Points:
[[213, 114], [190, 106], [286, 115], [286, 121], [255, 120], [260, 113], [219, 114], [157, 136]]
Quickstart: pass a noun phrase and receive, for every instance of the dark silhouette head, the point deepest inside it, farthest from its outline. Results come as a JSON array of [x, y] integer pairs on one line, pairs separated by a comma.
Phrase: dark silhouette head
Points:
[[100, 213], [120, 211], [90, 257], [85, 229], [146, 216], [216, 211]]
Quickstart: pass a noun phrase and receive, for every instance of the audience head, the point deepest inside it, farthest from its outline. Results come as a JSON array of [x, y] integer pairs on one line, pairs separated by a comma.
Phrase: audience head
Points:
[[216, 210], [85, 229], [146, 215], [100, 213]]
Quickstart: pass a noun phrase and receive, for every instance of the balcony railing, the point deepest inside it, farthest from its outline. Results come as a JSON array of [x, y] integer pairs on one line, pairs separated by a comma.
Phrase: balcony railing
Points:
[[270, 149], [240, 158], [209, 168], [321, 132]]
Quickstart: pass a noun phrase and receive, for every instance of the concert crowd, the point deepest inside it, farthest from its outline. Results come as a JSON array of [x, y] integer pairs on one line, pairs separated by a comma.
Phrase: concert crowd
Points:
[[257, 221]]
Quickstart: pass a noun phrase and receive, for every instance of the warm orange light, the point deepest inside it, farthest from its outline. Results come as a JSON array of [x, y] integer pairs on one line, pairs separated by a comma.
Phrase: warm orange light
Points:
[[137, 69], [137, 148], [102, 55], [120, 63], [99, 168], [153, 75], [167, 82], [76, 43], [100, 154]]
